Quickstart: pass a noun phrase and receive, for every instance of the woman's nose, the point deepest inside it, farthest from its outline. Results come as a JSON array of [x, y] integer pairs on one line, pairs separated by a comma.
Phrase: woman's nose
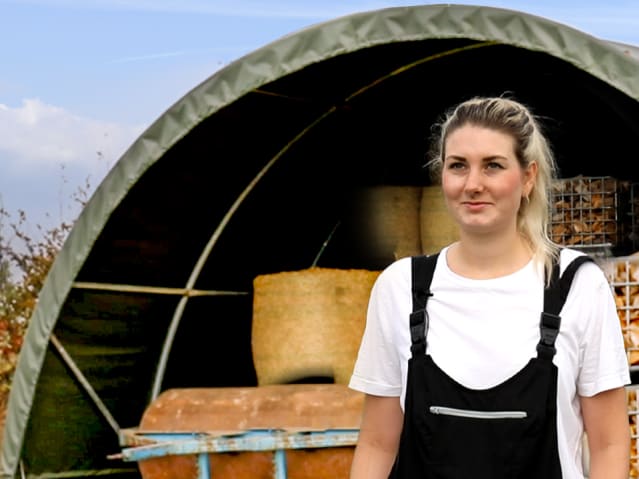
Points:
[[474, 180]]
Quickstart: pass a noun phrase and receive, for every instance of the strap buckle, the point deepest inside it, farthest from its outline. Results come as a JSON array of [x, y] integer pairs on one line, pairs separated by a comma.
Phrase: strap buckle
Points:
[[418, 327], [549, 330]]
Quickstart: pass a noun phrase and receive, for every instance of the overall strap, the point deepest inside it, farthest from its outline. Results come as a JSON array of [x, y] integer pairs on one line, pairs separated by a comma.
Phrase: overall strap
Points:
[[422, 268], [554, 298]]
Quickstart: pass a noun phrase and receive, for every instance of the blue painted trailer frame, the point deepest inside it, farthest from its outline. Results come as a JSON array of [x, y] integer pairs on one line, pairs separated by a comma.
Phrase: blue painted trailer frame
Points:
[[160, 444]]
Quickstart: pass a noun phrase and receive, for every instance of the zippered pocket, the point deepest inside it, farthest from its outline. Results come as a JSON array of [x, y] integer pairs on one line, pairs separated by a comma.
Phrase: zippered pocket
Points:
[[469, 413]]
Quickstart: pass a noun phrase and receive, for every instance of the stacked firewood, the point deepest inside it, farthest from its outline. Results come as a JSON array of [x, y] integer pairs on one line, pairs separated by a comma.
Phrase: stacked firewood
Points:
[[633, 416], [585, 211], [623, 276], [595, 212]]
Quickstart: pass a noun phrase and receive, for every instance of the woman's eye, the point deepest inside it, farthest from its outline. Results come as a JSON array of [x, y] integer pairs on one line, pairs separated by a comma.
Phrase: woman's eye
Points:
[[493, 165], [456, 165]]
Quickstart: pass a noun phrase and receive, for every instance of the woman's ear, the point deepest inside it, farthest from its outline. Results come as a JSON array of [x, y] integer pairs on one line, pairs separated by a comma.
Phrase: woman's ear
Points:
[[530, 176]]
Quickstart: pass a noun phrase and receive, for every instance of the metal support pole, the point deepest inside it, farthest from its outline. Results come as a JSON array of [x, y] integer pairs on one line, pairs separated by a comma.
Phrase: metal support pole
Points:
[[280, 464], [204, 466]]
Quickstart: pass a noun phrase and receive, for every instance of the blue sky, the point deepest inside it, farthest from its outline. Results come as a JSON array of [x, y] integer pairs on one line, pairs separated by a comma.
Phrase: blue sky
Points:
[[81, 79]]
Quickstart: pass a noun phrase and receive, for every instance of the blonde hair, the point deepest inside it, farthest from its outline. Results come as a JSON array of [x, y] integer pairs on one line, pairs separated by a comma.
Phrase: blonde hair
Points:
[[512, 118]]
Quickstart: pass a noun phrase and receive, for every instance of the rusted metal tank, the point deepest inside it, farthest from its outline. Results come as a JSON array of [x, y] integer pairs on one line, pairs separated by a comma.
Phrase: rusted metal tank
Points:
[[301, 431]]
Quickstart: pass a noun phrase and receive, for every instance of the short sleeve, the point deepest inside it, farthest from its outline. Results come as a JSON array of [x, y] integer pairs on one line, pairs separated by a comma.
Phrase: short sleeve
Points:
[[603, 360], [378, 368]]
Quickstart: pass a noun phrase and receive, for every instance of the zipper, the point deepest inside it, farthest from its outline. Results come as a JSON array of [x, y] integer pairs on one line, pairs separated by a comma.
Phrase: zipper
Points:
[[451, 411]]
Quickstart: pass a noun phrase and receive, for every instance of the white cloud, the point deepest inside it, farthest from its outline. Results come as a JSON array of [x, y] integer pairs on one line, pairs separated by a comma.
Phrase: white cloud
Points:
[[37, 134], [49, 156], [150, 56]]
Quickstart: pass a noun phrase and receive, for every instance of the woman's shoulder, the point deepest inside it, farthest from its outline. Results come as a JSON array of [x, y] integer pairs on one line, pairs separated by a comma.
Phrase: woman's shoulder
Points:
[[402, 267], [590, 270], [567, 255], [398, 270]]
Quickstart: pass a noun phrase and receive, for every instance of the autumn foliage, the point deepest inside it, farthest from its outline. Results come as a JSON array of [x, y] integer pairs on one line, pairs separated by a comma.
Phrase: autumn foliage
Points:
[[24, 264]]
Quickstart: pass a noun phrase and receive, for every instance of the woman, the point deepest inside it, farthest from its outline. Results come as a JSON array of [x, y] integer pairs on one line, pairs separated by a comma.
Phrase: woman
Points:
[[480, 384]]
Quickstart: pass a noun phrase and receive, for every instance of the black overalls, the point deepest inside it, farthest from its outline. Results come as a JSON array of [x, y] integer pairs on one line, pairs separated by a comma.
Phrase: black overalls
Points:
[[507, 431]]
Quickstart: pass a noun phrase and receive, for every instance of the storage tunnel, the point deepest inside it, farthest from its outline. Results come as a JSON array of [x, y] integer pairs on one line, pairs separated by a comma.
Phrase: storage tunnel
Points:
[[254, 171]]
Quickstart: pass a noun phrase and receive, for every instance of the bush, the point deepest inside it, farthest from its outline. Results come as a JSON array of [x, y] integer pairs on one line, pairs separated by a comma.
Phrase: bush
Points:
[[24, 264]]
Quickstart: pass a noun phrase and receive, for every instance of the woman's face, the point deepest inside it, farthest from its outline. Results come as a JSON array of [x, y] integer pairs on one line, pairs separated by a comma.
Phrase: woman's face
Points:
[[482, 181]]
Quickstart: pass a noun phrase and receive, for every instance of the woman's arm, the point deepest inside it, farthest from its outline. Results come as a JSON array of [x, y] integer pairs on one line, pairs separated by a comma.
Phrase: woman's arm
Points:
[[378, 441], [608, 431]]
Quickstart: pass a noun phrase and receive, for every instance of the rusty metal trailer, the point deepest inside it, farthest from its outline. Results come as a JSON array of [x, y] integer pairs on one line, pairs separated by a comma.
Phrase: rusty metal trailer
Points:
[[140, 446]]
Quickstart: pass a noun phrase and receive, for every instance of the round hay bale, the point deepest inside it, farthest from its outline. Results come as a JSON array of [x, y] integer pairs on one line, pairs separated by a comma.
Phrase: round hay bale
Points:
[[391, 215], [309, 323]]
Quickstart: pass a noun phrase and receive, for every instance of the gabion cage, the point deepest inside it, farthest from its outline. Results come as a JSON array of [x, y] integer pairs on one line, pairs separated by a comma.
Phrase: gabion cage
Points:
[[585, 212]]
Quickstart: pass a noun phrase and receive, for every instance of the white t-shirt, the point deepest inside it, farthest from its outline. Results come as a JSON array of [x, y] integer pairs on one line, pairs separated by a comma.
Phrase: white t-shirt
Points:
[[482, 332]]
